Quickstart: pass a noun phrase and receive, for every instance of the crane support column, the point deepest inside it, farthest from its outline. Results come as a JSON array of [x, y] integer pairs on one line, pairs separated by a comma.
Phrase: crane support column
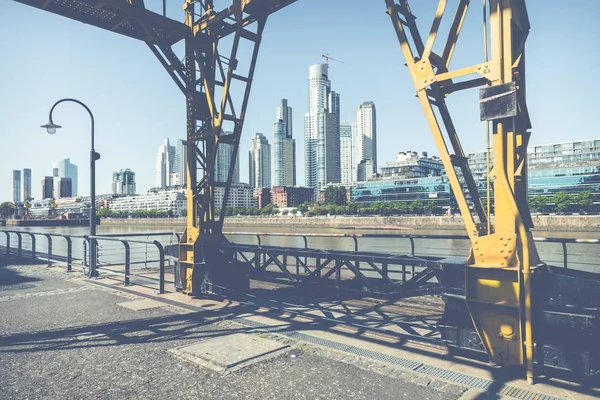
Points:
[[503, 258], [217, 89]]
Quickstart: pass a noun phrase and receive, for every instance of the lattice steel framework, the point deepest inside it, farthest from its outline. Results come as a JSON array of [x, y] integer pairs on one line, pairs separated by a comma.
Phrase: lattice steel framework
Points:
[[503, 255]]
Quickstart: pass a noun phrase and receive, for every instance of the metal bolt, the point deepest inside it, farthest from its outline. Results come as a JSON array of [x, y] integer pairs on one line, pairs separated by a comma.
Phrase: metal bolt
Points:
[[476, 248], [502, 263], [506, 243], [501, 250], [501, 238], [506, 257], [508, 238], [480, 254], [509, 250]]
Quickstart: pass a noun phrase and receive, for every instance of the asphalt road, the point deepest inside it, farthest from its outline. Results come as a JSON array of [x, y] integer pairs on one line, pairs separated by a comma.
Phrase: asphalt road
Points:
[[61, 338]]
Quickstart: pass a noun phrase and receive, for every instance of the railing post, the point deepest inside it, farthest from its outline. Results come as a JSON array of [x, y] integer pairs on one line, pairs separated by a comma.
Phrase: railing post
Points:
[[412, 246], [127, 262], [69, 252], [306, 247], [49, 248], [355, 242], [7, 244], [84, 258], [161, 270], [33, 253], [564, 246], [19, 244]]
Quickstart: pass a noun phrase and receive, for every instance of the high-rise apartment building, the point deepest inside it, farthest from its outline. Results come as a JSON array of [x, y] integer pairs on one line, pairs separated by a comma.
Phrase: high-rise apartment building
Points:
[[27, 184], [16, 186], [123, 182], [179, 163], [260, 162], [366, 135], [65, 188], [223, 163], [47, 188], [165, 162], [64, 169], [322, 130], [284, 147], [347, 153]]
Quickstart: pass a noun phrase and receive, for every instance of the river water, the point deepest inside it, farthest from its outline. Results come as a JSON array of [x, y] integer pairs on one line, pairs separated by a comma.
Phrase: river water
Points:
[[580, 256]]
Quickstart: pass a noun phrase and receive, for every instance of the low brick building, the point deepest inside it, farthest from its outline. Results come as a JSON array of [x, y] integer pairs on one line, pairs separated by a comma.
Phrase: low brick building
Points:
[[287, 196]]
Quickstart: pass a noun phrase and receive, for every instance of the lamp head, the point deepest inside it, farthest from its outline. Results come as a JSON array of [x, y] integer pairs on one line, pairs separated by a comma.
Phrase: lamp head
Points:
[[51, 127]]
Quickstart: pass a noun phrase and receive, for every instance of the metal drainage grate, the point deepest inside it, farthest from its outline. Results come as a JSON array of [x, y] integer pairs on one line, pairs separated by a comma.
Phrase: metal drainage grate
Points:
[[450, 376]]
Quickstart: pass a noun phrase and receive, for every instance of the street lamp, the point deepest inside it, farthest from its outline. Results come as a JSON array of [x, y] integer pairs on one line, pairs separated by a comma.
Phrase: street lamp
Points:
[[51, 128]]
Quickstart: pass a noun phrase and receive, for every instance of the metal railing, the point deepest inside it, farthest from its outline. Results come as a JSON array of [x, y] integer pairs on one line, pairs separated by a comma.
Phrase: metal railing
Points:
[[412, 238], [26, 244], [50, 255]]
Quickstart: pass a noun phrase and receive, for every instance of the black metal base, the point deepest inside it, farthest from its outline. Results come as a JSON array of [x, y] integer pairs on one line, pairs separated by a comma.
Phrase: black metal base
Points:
[[568, 323], [222, 278]]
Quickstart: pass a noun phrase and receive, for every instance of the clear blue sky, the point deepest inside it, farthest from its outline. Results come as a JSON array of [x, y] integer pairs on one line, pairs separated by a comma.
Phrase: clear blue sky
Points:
[[47, 57]]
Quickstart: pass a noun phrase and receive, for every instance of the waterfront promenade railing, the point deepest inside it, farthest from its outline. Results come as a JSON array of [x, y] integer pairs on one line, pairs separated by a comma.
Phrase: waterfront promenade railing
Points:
[[117, 254], [143, 256]]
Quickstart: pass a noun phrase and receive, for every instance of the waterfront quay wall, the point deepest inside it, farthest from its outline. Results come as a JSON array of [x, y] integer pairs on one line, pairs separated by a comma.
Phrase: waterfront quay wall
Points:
[[541, 222]]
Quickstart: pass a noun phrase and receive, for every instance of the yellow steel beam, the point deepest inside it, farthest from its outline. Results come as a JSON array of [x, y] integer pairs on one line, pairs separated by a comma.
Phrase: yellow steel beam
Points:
[[502, 257]]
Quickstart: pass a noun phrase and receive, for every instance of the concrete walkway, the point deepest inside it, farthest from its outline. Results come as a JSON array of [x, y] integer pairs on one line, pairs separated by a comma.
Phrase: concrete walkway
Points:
[[64, 336]]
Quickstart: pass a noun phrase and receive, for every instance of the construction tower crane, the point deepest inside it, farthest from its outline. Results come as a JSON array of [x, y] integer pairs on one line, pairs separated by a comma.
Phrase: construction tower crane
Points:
[[327, 58]]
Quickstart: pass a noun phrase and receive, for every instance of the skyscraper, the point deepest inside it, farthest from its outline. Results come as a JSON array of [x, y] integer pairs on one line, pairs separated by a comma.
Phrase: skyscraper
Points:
[[123, 182], [347, 152], [366, 135], [165, 160], [223, 162], [16, 186], [65, 188], [284, 152], [27, 184], [322, 130], [65, 169], [179, 163], [47, 187], [260, 162]]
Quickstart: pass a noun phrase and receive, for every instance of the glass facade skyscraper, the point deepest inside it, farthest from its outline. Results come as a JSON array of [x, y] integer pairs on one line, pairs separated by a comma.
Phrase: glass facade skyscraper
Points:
[[16, 186], [223, 162], [347, 153], [322, 130], [65, 169], [284, 147], [123, 182], [366, 135], [27, 184], [259, 162]]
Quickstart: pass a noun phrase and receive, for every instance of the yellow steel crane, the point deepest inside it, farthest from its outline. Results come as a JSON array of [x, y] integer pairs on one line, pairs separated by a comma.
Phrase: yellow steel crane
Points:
[[503, 257]]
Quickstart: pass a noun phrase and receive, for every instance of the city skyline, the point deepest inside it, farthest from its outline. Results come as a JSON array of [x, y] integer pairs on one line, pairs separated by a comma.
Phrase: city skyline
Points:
[[127, 116]]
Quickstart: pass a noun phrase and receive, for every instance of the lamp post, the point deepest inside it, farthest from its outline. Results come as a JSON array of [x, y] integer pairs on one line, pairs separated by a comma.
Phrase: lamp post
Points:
[[51, 129]]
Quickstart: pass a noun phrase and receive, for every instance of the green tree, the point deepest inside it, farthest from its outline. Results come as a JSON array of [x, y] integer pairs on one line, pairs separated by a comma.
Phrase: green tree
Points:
[[335, 195], [538, 203], [303, 208], [562, 201], [184, 213], [417, 207], [584, 200], [7, 209], [285, 212]]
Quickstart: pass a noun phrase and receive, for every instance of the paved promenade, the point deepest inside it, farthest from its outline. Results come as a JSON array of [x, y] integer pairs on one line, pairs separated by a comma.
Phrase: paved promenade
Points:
[[66, 337]]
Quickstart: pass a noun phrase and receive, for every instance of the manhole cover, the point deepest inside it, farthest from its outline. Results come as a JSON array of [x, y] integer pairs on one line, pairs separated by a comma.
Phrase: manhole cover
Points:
[[231, 352]]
